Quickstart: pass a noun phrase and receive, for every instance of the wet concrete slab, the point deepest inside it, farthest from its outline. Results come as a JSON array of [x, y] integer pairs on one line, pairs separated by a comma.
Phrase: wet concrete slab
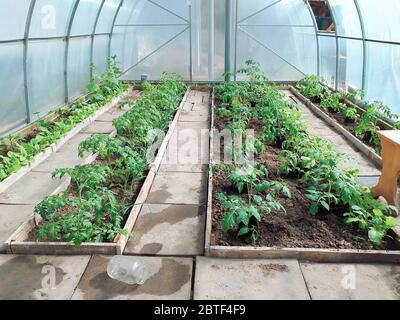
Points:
[[66, 157], [31, 189], [176, 230], [227, 279], [11, 217], [189, 148], [111, 115], [40, 277], [178, 188], [170, 279], [352, 282], [99, 127]]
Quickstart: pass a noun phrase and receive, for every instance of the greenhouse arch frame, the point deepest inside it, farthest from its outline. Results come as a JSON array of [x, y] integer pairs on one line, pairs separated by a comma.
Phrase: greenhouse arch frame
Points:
[[48, 46]]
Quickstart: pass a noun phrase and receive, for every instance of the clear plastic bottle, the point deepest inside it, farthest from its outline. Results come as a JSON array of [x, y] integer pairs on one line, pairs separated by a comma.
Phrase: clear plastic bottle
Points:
[[129, 270]]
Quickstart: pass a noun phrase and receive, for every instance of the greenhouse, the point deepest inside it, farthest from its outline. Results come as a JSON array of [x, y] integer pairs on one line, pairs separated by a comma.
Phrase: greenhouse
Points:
[[199, 150]]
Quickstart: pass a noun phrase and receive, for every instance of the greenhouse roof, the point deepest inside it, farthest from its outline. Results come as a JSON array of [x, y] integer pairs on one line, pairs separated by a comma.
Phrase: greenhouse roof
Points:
[[48, 46]]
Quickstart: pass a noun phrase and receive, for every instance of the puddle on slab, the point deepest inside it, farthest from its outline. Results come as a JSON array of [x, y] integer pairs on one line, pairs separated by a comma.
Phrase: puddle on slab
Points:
[[169, 279], [22, 276]]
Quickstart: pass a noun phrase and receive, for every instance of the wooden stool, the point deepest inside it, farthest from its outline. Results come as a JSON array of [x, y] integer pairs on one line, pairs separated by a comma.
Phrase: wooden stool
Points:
[[387, 186]]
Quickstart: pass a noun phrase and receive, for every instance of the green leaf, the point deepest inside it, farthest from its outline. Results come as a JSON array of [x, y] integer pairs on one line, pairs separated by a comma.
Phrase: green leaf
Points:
[[376, 236], [243, 231]]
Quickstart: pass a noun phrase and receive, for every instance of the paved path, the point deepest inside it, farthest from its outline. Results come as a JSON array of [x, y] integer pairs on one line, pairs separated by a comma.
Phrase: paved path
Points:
[[369, 174], [169, 238]]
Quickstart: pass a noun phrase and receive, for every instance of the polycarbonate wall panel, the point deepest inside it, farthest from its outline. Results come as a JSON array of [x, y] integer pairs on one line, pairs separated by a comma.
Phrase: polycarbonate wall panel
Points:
[[383, 74], [280, 35], [78, 66], [350, 64], [381, 19], [327, 52], [12, 101], [107, 16], [85, 17], [50, 18], [13, 16], [45, 75], [208, 45], [100, 50], [346, 18]]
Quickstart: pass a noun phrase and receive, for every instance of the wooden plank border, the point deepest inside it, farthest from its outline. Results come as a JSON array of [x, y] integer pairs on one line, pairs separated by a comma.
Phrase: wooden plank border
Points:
[[17, 245], [357, 143], [39, 158], [303, 254]]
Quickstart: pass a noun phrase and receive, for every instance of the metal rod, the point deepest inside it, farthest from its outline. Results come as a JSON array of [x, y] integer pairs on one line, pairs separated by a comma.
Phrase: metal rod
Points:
[[228, 38], [236, 40], [259, 11], [112, 28], [190, 42], [92, 37], [211, 48], [154, 51], [363, 33], [25, 60], [316, 36], [169, 11], [69, 29], [337, 45], [269, 49], [151, 25]]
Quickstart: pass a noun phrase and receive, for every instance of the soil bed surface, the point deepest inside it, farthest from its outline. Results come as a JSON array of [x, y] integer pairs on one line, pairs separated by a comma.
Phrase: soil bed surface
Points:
[[297, 228]]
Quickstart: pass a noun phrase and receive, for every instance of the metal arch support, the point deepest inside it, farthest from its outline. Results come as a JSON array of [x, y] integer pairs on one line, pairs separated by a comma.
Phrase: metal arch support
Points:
[[364, 71], [25, 59], [259, 11], [67, 39], [337, 44], [92, 37], [112, 28], [316, 36], [228, 38]]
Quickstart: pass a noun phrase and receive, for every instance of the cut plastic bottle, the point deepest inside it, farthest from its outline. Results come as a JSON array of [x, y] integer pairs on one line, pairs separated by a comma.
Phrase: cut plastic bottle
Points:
[[129, 270]]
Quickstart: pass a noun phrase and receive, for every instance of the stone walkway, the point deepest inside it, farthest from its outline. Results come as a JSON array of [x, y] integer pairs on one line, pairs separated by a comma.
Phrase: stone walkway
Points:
[[169, 239]]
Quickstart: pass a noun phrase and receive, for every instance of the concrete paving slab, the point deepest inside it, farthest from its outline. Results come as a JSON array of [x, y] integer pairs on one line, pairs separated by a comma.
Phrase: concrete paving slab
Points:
[[368, 181], [111, 115], [170, 280], [178, 188], [188, 146], [40, 277], [352, 282], [176, 230], [11, 218], [365, 166], [194, 117], [31, 189], [227, 279], [65, 157], [99, 127]]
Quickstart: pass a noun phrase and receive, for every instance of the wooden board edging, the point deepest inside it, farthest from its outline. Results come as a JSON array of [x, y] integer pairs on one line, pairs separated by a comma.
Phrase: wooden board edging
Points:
[[42, 156], [357, 143], [303, 254], [17, 245]]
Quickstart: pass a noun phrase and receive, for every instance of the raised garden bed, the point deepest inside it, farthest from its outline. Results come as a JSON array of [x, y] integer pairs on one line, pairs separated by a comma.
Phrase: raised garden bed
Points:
[[337, 122], [290, 233], [23, 241], [26, 149]]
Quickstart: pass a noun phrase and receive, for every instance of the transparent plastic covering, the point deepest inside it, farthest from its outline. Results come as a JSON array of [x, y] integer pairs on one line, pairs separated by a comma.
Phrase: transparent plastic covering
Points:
[[47, 46]]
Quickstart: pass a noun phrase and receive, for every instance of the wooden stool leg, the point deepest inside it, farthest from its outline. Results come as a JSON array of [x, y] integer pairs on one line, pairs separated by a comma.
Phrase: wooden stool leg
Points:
[[387, 186]]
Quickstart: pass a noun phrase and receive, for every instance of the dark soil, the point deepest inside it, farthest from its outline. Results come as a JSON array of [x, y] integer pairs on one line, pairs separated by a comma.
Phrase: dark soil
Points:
[[349, 126], [297, 228]]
